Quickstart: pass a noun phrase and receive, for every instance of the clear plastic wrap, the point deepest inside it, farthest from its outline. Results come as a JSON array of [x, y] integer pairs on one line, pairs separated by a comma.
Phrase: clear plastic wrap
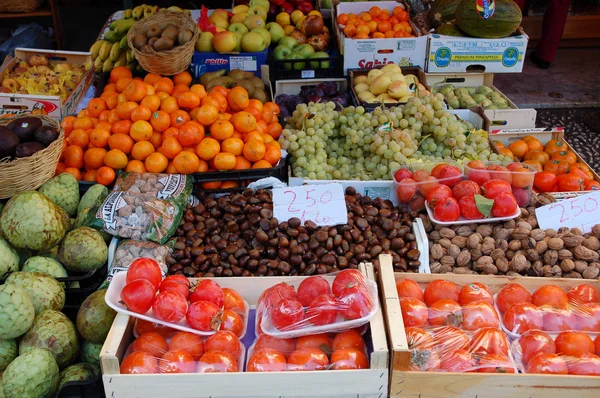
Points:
[[518, 175], [550, 308], [569, 352], [317, 304], [345, 350], [176, 187], [163, 351]]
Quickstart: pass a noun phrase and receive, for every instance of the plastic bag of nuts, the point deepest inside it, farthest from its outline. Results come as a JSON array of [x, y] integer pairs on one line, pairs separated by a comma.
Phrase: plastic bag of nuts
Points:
[[176, 187]]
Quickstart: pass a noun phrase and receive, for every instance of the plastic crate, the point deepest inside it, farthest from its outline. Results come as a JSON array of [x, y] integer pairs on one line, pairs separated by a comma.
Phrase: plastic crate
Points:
[[88, 284], [278, 70], [83, 389]]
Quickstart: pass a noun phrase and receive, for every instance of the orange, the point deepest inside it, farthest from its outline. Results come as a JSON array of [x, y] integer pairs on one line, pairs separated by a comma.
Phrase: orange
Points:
[[94, 158], [210, 100], [141, 150], [171, 168], [135, 166], [188, 100], [96, 106], [375, 11], [389, 34], [186, 162], [273, 143], [122, 83], [191, 133], [254, 112], [534, 144], [254, 150], [156, 139], [256, 104], [222, 100], [238, 98], [208, 148], [121, 98], [207, 114], [122, 142], [221, 130], [241, 163], [90, 176], [519, 148], [183, 78], [162, 95], [262, 164], [179, 118], [219, 89], [178, 89], [194, 113], [261, 126], [84, 123], [203, 166], [152, 102], [224, 116], [266, 138], [149, 89], [74, 172], [199, 90], [372, 25], [211, 185], [274, 130], [105, 175], [506, 152], [272, 155], [79, 137], [119, 72], [229, 184], [141, 112], [110, 88], [112, 117], [384, 26], [342, 19], [253, 135], [135, 90], [362, 30], [171, 147], [111, 99], [156, 163], [141, 131], [164, 85], [160, 121], [103, 116], [124, 109], [74, 156], [60, 168], [115, 159], [170, 132], [224, 161], [122, 127], [67, 124], [169, 105], [233, 146], [152, 78], [244, 122]]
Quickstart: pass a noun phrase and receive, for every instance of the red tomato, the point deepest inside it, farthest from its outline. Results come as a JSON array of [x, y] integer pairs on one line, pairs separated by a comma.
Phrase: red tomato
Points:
[[510, 294], [233, 322], [545, 181], [348, 339], [177, 362], [208, 290], [406, 189], [557, 320], [440, 289], [489, 341], [588, 317], [344, 279], [547, 364], [233, 300], [224, 340], [418, 337], [437, 194], [522, 317], [145, 268], [424, 360], [570, 182], [217, 362], [495, 363], [584, 293], [139, 363], [550, 295], [450, 338], [170, 306], [574, 343], [170, 284], [505, 205], [444, 312], [535, 342], [402, 173], [414, 312], [447, 210], [409, 288], [474, 292], [479, 315], [188, 342], [138, 295], [468, 208], [585, 365], [420, 175], [266, 360], [323, 310], [152, 343], [284, 346], [465, 188], [450, 175], [493, 188], [320, 341], [356, 302], [307, 359], [204, 315], [312, 287], [458, 361], [287, 314]]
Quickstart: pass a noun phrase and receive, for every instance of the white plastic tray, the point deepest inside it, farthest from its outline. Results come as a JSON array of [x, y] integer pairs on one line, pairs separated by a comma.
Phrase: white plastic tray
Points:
[[113, 298], [463, 220]]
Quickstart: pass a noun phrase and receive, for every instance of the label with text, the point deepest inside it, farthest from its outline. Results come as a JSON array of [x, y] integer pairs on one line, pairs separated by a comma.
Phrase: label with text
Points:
[[323, 204], [581, 212]]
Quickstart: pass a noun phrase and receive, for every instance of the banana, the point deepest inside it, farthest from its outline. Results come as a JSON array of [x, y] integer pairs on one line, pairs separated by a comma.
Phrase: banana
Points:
[[114, 37], [115, 52], [130, 56], [95, 49], [127, 14], [105, 51], [107, 66], [123, 42], [98, 64], [138, 12], [122, 26], [122, 61], [150, 10]]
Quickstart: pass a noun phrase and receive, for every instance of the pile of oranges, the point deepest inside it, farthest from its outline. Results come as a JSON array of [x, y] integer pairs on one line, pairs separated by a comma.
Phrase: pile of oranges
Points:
[[376, 24], [167, 125]]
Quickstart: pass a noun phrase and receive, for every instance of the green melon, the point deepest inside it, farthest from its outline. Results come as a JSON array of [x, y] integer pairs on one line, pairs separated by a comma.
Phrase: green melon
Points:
[[489, 19], [442, 11], [449, 29]]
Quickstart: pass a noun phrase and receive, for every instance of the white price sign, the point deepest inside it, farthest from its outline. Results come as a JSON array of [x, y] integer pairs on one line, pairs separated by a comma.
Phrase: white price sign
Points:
[[581, 212], [323, 204]]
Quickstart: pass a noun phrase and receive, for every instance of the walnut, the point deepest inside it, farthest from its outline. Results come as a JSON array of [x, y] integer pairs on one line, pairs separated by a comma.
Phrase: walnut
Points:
[[474, 240], [580, 265], [537, 268], [434, 235], [482, 262], [460, 241], [519, 233], [551, 271], [453, 251], [537, 234], [572, 275], [496, 254], [541, 247], [437, 268], [583, 253], [591, 272], [563, 230], [437, 251], [463, 259], [528, 243], [475, 254], [447, 260], [564, 254], [550, 257], [572, 240], [519, 263], [576, 231], [544, 199], [427, 224], [567, 265], [501, 233], [550, 232], [484, 230], [592, 243], [532, 220], [596, 231], [445, 243], [524, 225], [447, 233], [524, 213], [515, 245], [490, 269], [464, 231], [509, 254], [502, 244], [556, 243], [487, 247], [532, 255], [462, 270], [502, 264], [510, 224]]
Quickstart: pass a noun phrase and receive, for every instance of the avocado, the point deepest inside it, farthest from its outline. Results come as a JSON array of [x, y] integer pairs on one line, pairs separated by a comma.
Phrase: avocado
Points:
[[45, 135], [27, 149], [8, 142], [24, 127]]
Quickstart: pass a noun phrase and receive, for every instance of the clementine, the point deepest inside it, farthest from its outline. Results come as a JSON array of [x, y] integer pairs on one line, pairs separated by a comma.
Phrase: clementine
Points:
[[244, 122], [254, 150], [156, 163], [115, 159], [135, 166], [238, 98], [233, 145], [186, 162], [171, 147], [141, 131], [208, 148], [191, 133], [141, 150], [105, 175], [224, 161], [94, 158]]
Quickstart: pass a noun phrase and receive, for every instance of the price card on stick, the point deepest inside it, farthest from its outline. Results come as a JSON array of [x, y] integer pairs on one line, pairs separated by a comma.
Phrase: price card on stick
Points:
[[323, 204], [581, 212]]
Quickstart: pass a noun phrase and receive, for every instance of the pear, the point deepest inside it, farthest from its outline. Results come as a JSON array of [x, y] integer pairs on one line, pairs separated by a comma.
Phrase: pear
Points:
[[395, 77], [391, 68], [446, 89], [461, 92], [366, 96], [380, 84], [454, 103], [479, 98], [485, 90], [372, 75], [359, 88], [385, 98], [485, 103], [472, 90]]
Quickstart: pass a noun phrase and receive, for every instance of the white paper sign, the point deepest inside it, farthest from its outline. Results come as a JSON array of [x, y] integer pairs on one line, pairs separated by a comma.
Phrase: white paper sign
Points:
[[581, 212], [323, 204]]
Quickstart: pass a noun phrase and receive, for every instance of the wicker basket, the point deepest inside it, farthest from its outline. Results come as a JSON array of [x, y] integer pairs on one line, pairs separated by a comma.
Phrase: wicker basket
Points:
[[20, 5], [169, 62], [30, 173]]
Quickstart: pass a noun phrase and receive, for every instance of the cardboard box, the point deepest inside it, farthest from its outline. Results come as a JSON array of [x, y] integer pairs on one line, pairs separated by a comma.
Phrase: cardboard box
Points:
[[291, 87], [513, 118], [52, 105], [210, 62], [366, 53], [449, 54]]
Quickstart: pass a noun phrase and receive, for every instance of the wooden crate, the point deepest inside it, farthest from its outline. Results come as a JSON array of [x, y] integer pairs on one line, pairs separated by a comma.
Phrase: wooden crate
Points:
[[367, 383], [404, 383]]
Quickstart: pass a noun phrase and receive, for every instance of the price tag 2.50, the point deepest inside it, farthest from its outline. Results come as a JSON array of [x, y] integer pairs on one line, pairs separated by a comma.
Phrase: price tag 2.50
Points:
[[323, 204], [581, 212]]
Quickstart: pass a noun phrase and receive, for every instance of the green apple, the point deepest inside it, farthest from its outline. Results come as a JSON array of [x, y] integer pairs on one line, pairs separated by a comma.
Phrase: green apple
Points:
[[254, 21], [261, 3], [258, 10], [239, 9], [238, 28], [239, 17], [281, 52], [264, 33], [288, 41], [276, 31], [253, 42], [239, 36], [224, 42], [205, 42], [295, 65], [315, 64], [304, 50]]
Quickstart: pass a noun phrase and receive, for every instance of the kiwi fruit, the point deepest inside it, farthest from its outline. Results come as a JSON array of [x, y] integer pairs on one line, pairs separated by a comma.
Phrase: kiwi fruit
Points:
[[260, 95], [139, 41], [247, 85], [8, 142], [171, 32], [152, 41], [236, 74], [154, 31], [184, 36], [24, 127], [257, 82], [27, 149], [45, 135], [248, 75], [163, 44]]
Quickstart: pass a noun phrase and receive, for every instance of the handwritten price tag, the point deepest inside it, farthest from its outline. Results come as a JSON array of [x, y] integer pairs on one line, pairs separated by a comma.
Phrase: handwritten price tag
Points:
[[581, 212], [322, 204]]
